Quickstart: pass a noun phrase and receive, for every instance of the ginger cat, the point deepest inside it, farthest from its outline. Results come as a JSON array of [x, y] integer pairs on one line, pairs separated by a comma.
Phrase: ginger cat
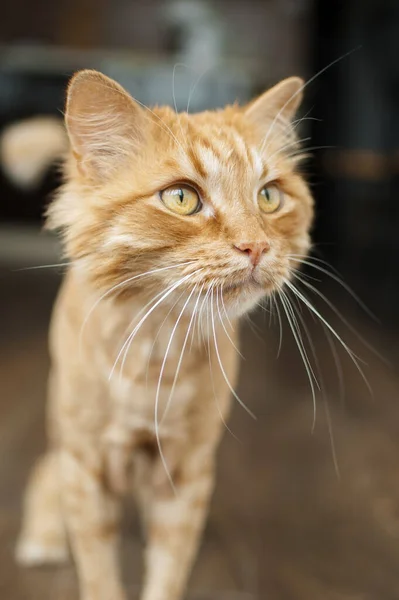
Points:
[[174, 225]]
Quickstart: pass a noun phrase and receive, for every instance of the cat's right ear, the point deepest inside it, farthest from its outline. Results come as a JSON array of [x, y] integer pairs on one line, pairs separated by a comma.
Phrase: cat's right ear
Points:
[[278, 103], [106, 127]]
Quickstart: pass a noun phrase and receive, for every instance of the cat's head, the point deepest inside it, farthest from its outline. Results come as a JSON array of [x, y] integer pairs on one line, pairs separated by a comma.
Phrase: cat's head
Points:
[[208, 201]]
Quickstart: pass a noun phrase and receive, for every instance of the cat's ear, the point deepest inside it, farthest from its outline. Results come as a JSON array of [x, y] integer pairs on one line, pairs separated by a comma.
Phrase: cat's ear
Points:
[[106, 127], [282, 100]]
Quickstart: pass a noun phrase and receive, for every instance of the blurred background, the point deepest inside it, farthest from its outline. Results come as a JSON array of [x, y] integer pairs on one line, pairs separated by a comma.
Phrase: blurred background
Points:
[[302, 510]]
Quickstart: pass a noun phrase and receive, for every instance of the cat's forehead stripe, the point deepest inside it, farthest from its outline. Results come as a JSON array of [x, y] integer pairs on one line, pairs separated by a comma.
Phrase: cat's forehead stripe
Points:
[[257, 162], [210, 157], [210, 161]]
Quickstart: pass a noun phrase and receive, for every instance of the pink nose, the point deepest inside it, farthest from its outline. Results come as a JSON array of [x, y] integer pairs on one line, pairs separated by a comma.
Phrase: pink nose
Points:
[[254, 250]]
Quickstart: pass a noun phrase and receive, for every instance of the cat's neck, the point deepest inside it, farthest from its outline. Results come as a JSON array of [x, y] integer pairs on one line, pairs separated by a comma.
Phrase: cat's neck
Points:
[[139, 309]]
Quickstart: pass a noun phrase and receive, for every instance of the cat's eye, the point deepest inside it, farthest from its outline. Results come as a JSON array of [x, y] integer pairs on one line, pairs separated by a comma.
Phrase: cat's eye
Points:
[[181, 199], [270, 198]]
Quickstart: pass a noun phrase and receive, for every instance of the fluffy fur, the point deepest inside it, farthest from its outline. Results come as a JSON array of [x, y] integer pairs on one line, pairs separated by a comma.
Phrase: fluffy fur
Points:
[[144, 328]]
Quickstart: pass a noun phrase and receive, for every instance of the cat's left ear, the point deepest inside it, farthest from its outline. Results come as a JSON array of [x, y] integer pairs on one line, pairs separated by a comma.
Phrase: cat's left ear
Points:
[[282, 100], [106, 127]]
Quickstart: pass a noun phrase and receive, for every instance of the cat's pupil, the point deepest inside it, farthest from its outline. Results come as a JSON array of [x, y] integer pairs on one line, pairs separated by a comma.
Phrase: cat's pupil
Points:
[[181, 195], [266, 193]]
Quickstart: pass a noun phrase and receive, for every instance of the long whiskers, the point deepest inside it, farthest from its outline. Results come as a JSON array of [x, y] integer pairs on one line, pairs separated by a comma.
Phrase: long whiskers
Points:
[[224, 308], [156, 424], [35, 267], [338, 365], [296, 332], [160, 329], [194, 86], [309, 261], [300, 90], [184, 136], [200, 324], [323, 391], [120, 285], [280, 324], [244, 406], [286, 146], [222, 322], [213, 382], [350, 353], [128, 342], [189, 328], [313, 289]]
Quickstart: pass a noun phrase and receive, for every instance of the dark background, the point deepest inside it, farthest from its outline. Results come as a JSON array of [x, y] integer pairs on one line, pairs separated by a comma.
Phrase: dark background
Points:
[[299, 513]]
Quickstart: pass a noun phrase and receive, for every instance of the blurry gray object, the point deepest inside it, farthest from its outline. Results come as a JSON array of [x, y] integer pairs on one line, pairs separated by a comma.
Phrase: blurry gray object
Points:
[[199, 32], [197, 36], [151, 80], [182, 88]]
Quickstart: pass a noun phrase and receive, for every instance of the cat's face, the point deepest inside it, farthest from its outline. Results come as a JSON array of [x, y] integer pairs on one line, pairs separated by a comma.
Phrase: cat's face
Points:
[[214, 193]]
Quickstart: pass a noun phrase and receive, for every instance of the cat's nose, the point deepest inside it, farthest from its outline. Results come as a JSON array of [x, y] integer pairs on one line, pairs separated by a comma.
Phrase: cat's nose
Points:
[[254, 250]]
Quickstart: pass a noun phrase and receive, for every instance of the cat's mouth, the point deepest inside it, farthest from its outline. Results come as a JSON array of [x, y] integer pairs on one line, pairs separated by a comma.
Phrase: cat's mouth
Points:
[[253, 282]]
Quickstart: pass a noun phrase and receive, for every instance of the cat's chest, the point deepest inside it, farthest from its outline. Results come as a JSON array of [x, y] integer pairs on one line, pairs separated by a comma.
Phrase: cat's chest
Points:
[[154, 378]]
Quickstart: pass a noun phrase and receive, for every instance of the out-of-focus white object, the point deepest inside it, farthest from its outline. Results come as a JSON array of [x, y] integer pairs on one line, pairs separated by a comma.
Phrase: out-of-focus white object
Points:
[[28, 148]]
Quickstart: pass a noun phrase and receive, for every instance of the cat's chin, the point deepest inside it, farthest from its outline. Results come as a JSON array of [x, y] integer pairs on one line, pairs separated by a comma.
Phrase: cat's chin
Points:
[[248, 286], [241, 297], [244, 287]]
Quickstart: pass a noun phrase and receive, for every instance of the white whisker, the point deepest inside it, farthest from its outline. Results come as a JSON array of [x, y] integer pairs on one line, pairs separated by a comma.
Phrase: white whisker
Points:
[[223, 325], [316, 259], [224, 308], [213, 387], [254, 328], [300, 90], [173, 84], [350, 353], [182, 354], [324, 396], [142, 311], [36, 267], [200, 325], [338, 365], [286, 146], [129, 340], [118, 286], [339, 314], [280, 341], [245, 407], [156, 424], [274, 303], [184, 136], [194, 86], [305, 151], [159, 331], [335, 277], [302, 351]]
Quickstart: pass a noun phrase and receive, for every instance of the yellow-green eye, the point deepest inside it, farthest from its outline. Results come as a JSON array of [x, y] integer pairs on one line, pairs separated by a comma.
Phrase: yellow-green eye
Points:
[[181, 199], [270, 198]]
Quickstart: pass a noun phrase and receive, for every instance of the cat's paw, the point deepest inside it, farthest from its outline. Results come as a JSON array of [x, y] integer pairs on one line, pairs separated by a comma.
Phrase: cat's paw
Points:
[[32, 553]]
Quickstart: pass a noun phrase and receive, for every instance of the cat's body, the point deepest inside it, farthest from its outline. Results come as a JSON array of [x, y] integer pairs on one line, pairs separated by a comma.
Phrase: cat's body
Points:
[[145, 327], [110, 425]]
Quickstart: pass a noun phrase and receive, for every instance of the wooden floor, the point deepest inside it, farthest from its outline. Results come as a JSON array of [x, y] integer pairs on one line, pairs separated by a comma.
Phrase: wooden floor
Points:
[[298, 514]]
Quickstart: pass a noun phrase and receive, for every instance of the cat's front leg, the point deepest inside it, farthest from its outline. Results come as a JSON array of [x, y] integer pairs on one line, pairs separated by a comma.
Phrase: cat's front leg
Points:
[[175, 522], [92, 518]]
